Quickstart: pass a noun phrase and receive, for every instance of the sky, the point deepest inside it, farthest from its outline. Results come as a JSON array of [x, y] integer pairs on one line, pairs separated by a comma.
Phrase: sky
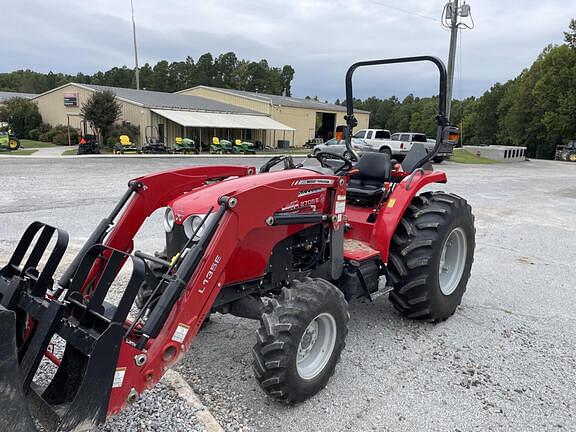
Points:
[[319, 38]]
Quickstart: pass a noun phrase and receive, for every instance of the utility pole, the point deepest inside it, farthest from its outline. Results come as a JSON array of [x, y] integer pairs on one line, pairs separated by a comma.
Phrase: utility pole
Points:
[[453, 11], [452, 53], [137, 72]]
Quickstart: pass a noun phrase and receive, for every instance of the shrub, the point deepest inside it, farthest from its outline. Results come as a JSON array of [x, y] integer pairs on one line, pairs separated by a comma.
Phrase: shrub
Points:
[[34, 134], [58, 135], [60, 139], [22, 114], [123, 128], [44, 127]]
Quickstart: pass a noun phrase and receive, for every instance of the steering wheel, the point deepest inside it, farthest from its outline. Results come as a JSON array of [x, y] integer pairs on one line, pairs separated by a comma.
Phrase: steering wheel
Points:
[[323, 156], [288, 163]]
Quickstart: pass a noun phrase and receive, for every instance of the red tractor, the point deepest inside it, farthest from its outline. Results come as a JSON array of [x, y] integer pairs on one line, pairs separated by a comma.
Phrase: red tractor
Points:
[[289, 247]]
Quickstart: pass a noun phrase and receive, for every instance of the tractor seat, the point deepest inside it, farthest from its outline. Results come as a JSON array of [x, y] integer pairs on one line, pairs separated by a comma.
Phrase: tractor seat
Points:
[[125, 140], [365, 187]]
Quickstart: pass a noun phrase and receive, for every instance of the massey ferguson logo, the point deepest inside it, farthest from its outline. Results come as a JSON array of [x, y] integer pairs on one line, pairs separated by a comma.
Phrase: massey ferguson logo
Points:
[[321, 181], [210, 273]]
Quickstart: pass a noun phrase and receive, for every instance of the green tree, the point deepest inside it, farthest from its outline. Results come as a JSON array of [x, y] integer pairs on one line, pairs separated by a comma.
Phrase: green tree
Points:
[[224, 71], [570, 36], [22, 115], [286, 76], [204, 72], [102, 110]]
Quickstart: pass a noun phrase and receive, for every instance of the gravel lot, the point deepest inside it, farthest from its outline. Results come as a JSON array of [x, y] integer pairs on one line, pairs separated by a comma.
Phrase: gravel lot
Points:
[[504, 362]]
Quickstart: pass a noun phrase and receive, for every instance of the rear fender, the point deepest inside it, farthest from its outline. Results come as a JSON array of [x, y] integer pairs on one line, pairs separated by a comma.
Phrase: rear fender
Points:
[[390, 215]]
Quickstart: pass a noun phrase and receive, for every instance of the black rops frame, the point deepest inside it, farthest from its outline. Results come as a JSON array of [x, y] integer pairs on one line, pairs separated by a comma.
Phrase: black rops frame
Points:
[[441, 119]]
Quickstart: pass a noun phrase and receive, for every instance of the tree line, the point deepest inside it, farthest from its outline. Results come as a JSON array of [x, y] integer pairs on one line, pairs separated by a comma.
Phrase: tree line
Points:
[[225, 71], [537, 109]]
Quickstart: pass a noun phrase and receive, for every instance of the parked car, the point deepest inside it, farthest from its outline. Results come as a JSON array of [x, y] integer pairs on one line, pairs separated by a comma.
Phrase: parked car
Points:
[[339, 146], [566, 152]]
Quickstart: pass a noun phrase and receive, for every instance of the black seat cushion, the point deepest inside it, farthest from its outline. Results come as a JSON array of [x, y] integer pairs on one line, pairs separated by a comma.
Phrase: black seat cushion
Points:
[[365, 187], [374, 166]]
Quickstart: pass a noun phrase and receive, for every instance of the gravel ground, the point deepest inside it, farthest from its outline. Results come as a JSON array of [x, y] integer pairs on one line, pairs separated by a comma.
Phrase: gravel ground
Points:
[[504, 362]]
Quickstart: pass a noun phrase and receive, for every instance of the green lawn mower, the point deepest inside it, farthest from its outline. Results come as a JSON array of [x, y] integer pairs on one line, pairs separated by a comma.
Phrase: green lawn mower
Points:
[[9, 141], [125, 146], [185, 146], [221, 146], [243, 147]]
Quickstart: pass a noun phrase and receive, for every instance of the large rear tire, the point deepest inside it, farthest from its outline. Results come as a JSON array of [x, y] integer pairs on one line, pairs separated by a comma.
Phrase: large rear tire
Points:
[[431, 256], [300, 340]]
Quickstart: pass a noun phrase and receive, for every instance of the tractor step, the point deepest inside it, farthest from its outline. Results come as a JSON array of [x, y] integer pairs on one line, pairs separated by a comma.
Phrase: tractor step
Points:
[[357, 250]]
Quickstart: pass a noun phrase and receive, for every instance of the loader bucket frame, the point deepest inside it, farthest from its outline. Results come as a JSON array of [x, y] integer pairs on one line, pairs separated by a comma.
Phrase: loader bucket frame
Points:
[[13, 406]]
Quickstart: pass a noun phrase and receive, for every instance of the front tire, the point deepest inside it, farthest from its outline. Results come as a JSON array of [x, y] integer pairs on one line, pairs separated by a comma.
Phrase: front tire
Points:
[[431, 256], [300, 340]]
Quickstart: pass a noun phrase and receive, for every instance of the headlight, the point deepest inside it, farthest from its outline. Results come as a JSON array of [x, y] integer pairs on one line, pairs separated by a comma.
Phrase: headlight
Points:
[[168, 220], [192, 224]]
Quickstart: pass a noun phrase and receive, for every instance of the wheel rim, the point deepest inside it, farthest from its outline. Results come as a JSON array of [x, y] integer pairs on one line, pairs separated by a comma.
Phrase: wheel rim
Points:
[[573, 157], [452, 261], [13, 144], [316, 346]]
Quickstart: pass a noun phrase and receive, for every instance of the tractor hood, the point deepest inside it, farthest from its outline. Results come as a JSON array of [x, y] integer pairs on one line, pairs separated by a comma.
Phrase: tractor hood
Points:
[[201, 200]]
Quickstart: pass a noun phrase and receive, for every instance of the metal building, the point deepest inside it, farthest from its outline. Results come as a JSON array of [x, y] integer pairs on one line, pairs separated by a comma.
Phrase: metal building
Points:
[[174, 115], [309, 118]]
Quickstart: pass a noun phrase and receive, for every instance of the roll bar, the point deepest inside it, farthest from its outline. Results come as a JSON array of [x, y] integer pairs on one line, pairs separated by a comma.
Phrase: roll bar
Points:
[[441, 119]]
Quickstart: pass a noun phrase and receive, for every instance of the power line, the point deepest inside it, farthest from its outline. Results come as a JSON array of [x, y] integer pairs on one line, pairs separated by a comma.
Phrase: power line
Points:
[[408, 12]]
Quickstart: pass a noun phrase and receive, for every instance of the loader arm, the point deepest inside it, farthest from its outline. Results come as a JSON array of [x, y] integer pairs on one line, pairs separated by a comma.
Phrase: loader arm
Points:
[[189, 311]]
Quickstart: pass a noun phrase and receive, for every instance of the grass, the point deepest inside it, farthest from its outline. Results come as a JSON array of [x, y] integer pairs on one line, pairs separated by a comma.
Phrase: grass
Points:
[[26, 143], [71, 152], [465, 157], [18, 153]]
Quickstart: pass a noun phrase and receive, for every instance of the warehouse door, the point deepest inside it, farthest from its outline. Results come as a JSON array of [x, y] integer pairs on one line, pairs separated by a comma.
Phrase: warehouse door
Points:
[[325, 125]]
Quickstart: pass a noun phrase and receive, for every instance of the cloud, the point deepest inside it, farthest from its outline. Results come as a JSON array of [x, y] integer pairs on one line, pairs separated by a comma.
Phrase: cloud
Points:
[[320, 38]]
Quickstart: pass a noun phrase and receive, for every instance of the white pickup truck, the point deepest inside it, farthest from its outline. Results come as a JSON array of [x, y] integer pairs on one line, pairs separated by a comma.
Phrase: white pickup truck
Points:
[[379, 140], [408, 139], [398, 144]]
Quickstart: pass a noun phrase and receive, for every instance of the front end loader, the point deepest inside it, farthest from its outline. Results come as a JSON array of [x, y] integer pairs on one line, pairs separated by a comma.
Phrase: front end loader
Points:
[[289, 246]]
